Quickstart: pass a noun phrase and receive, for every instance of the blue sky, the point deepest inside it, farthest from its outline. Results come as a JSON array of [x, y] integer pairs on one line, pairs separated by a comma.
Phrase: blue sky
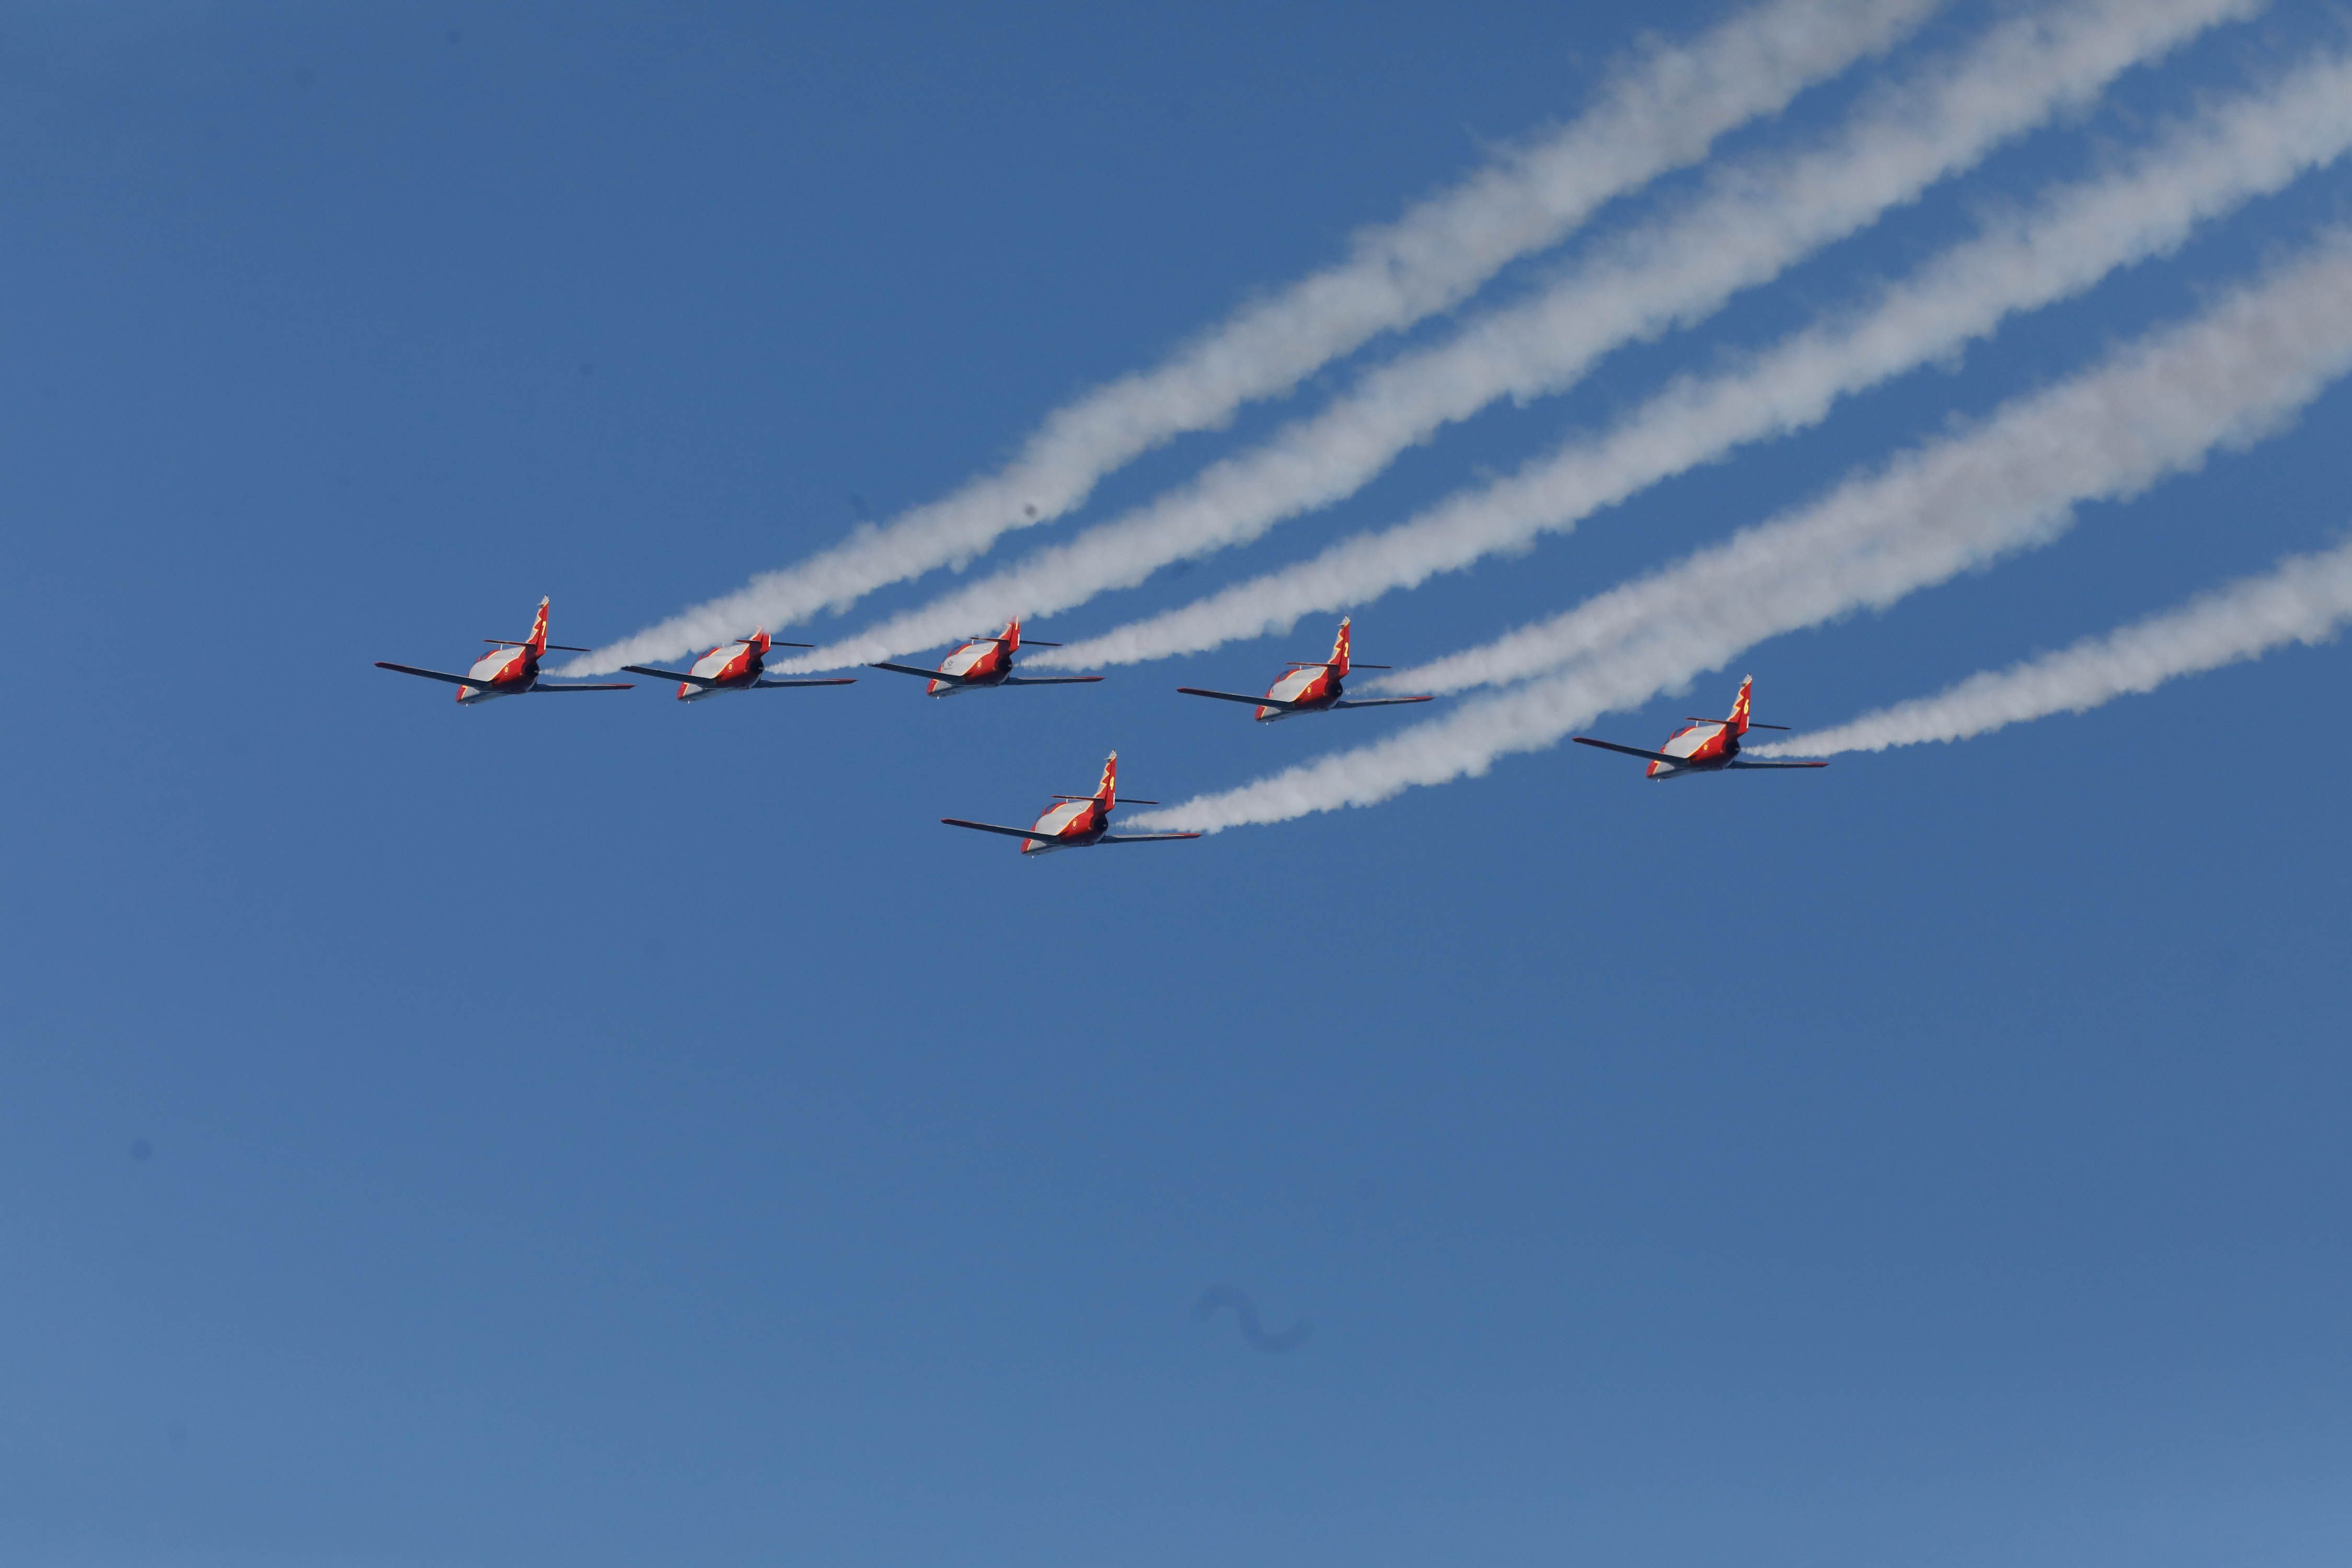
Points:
[[622, 1131]]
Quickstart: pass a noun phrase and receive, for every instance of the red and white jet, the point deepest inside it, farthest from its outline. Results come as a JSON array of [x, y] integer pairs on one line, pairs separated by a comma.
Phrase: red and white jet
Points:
[[1310, 687], [732, 666], [511, 672], [1080, 822], [984, 662], [1701, 745]]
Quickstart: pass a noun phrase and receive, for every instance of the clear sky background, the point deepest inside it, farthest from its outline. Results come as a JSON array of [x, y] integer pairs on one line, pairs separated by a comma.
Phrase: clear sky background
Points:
[[625, 1133]]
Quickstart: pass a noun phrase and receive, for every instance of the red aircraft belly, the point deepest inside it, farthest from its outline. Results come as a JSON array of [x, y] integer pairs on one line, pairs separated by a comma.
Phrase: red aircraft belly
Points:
[[1076, 824], [1314, 692], [1700, 746]]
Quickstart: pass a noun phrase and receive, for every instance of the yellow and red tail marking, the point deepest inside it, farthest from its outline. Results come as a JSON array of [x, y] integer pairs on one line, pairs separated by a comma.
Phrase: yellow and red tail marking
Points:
[[1012, 638], [537, 642], [1739, 725], [1339, 651], [1107, 791]]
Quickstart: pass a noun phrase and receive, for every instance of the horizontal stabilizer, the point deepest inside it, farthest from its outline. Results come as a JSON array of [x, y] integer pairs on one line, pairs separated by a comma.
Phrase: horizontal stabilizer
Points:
[[589, 685], [1049, 679], [836, 680], [431, 675], [1142, 838], [1740, 764], [1237, 697], [1378, 702]]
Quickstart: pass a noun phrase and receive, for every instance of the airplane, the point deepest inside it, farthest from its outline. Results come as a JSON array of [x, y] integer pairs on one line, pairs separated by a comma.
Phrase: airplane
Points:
[[1310, 687], [1701, 745], [732, 666], [985, 662], [512, 672], [1080, 821]]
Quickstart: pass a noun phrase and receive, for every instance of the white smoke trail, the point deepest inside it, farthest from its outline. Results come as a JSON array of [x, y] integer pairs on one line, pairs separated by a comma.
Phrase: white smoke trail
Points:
[[2154, 408], [1655, 113], [1753, 218], [2109, 432], [2071, 237], [2307, 599]]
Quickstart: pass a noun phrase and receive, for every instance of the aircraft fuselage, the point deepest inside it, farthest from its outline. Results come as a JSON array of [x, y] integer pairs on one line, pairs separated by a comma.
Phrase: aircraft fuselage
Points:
[[509, 672], [980, 664], [1707, 748], [1070, 824], [732, 666], [1310, 690]]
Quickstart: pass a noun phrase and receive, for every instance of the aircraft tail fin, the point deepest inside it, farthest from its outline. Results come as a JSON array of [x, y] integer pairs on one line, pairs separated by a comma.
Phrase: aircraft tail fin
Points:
[[537, 642], [1012, 636], [1339, 651], [1739, 721], [1107, 791]]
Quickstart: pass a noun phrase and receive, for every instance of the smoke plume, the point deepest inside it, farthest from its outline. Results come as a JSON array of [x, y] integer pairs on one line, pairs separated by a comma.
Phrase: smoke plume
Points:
[[1659, 111], [2307, 599], [2153, 408], [1753, 218], [2065, 242]]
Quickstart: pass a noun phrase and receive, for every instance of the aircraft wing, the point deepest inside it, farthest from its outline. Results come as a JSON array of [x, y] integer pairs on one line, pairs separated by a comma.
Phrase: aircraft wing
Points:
[[837, 681], [590, 686], [1632, 751], [1142, 838], [991, 828], [1049, 679], [926, 674], [431, 675], [1237, 697], [1740, 764], [666, 674], [1378, 702]]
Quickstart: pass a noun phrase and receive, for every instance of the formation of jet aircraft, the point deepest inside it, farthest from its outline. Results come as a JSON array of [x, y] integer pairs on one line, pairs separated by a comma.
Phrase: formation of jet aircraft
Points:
[[1074, 821]]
